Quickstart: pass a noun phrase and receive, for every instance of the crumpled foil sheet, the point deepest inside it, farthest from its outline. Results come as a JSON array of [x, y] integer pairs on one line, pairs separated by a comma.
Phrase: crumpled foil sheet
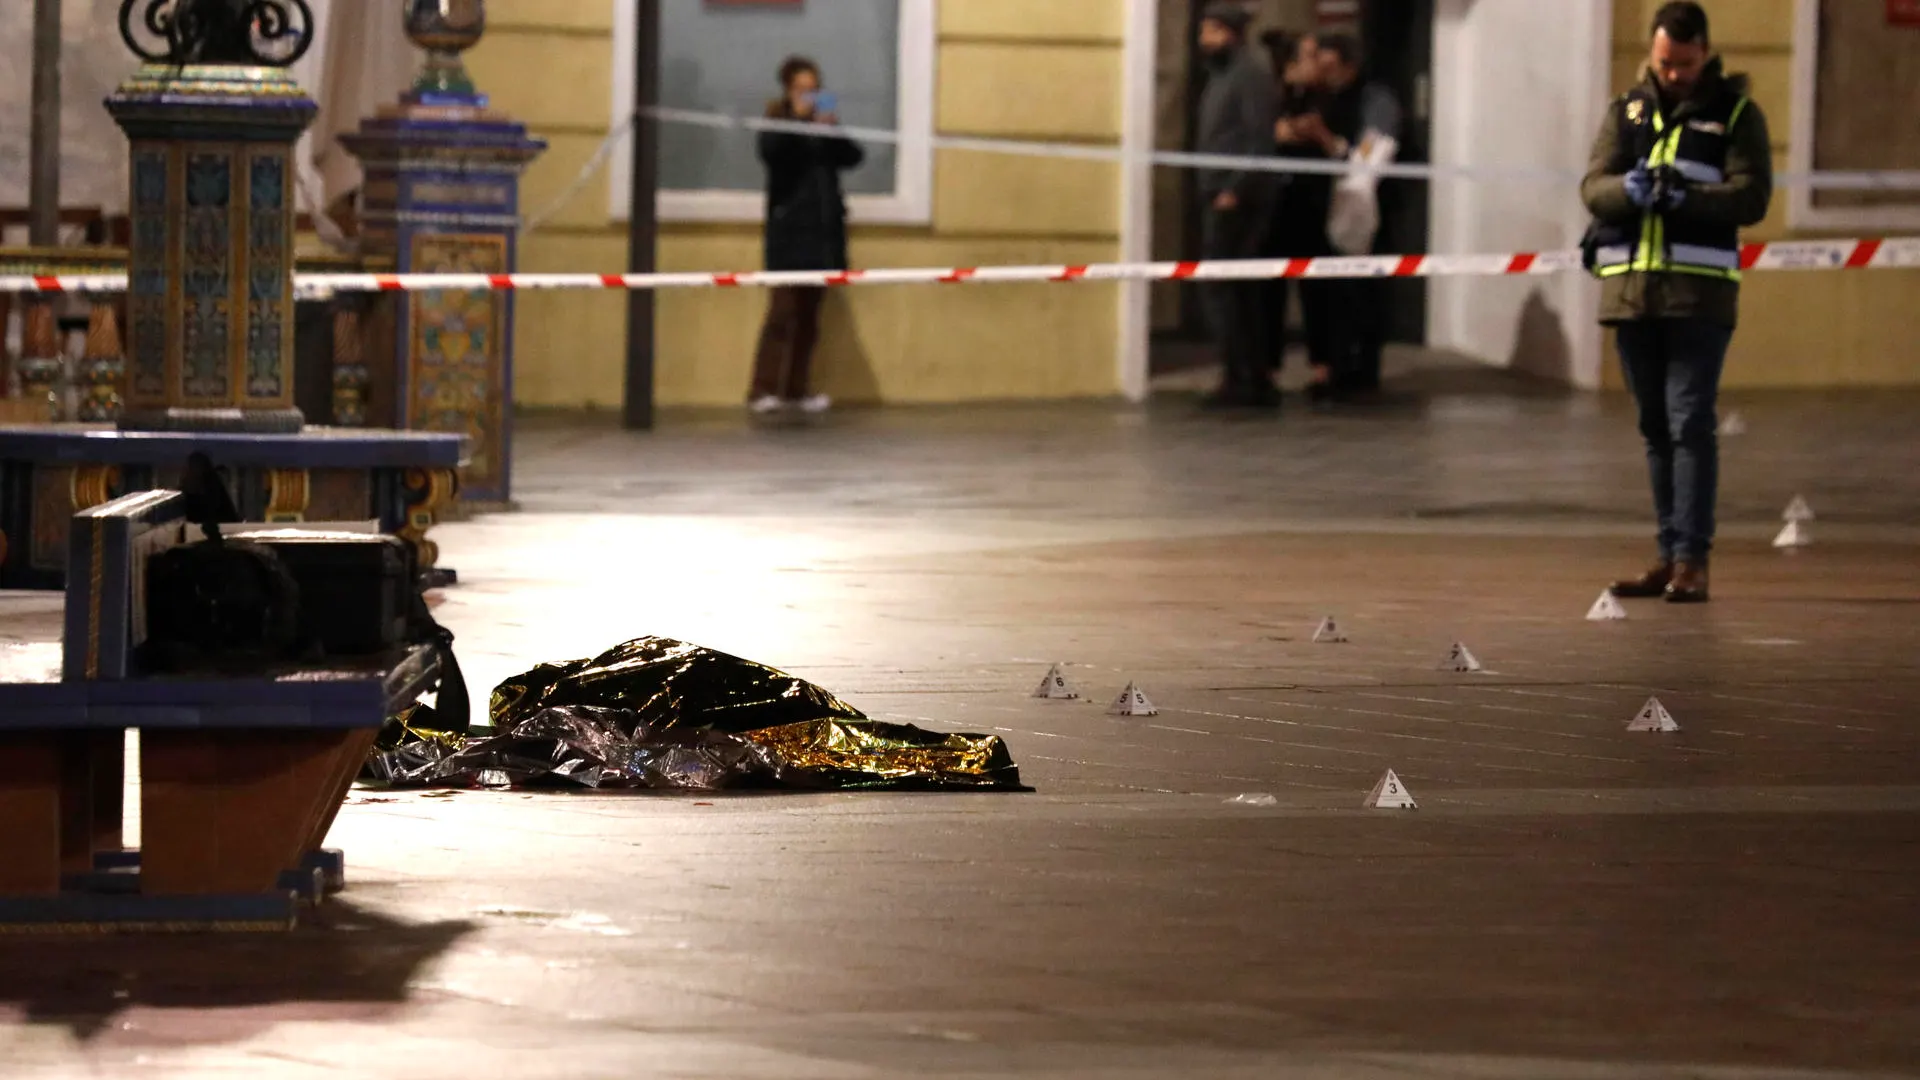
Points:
[[665, 715], [413, 748]]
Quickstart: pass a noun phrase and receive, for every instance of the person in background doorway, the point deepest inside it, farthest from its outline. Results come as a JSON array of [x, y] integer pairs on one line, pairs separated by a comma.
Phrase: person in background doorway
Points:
[[1353, 112], [806, 230], [1682, 163], [1237, 112], [1293, 59], [1299, 228]]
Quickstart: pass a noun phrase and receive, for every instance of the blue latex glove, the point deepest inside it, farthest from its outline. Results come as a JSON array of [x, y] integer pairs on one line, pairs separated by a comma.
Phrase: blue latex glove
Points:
[[1639, 181], [1675, 195]]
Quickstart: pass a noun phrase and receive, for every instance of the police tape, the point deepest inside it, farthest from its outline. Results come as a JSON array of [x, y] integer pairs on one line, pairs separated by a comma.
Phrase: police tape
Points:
[[1884, 180], [1873, 254]]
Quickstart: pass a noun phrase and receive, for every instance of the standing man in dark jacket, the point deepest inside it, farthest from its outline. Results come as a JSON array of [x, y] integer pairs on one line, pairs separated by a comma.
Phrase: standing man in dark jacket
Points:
[[1237, 114], [1355, 112], [806, 230], [1682, 163]]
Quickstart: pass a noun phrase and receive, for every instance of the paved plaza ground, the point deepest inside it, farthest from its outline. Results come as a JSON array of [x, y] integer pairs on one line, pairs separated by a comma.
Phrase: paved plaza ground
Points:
[[1740, 899]]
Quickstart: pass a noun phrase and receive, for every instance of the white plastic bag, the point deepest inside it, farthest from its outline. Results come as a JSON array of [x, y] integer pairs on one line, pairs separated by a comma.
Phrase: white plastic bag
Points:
[[1354, 218]]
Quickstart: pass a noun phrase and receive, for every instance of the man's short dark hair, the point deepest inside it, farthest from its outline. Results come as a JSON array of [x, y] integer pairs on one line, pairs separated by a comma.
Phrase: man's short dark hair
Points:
[[1230, 14], [1346, 47], [792, 66], [1684, 21]]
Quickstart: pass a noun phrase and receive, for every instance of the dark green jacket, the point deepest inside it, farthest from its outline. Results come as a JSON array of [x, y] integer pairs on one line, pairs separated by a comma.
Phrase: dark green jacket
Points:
[[1740, 200]]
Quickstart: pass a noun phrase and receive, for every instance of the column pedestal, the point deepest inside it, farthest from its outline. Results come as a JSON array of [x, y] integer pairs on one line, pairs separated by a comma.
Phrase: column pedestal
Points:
[[210, 266], [442, 195]]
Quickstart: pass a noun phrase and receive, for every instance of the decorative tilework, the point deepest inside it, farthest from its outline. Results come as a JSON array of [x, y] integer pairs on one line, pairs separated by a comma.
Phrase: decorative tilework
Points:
[[147, 274], [267, 272], [206, 276], [457, 353], [449, 193], [52, 513]]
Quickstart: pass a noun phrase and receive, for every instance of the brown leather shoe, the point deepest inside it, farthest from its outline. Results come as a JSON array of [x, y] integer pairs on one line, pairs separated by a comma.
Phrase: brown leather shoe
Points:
[[1651, 584], [1689, 584]]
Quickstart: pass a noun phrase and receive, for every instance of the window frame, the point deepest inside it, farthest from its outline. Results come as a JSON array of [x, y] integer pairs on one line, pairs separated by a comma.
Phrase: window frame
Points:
[[911, 202], [1802, 211]]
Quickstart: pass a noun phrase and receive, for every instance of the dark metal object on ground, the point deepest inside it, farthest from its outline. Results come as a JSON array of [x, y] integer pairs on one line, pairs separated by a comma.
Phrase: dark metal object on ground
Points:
[[661, 714]]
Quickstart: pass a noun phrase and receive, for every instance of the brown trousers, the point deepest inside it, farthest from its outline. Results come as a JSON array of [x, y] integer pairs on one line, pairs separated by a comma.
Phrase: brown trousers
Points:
[[784, 360]]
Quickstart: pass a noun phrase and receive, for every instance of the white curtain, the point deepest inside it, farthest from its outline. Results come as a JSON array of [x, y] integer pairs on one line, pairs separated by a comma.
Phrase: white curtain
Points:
[[360, 61]]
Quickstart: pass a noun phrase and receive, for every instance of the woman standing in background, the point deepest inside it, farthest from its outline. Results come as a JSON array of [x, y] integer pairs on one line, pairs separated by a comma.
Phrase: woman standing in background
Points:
[[806, 230]]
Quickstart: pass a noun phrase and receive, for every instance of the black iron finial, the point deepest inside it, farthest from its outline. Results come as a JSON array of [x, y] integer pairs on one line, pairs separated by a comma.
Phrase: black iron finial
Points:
[[271, 33]]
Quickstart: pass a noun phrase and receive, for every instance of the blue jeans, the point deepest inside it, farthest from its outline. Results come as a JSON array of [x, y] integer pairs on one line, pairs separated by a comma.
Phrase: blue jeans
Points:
[[1673, 368]]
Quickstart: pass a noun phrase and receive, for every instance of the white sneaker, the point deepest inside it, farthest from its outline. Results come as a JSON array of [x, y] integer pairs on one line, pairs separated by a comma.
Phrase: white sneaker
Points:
[[765, 405], [815, 404]]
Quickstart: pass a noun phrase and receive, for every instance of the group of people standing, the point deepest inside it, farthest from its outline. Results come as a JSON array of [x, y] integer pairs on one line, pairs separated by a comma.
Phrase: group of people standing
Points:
[[1309, 102]]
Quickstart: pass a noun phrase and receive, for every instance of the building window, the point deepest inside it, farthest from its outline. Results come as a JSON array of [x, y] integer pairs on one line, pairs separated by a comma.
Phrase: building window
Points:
[[721, 56], [1855, 78]]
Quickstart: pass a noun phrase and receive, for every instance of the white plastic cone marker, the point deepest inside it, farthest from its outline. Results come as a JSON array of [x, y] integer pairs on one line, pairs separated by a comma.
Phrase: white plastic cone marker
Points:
[[1798, 510], [1055, 687], [1606, 609], [1391, 794], [1330, 633], [1460, 660], [1733, 424], [1654, 717], [1795, 535], [1132, 702]]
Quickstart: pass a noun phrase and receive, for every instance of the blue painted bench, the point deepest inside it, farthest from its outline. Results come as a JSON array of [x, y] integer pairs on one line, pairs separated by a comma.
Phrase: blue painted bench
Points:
[[240, 777], [404, 479]]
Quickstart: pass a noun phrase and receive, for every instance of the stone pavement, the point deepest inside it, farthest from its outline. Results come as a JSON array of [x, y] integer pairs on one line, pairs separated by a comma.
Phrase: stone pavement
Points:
[[1570, 900]]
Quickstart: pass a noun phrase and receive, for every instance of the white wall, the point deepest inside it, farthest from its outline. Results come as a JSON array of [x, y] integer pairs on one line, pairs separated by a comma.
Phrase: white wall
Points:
[[1517, 83], [1139, 106]]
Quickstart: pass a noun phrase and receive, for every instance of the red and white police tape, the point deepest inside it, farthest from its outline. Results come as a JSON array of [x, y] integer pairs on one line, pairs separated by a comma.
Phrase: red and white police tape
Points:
[[1882, 254]]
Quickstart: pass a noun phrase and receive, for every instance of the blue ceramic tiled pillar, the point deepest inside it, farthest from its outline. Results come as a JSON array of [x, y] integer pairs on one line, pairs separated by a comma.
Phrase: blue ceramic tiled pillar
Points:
[[442, 195], [210, 297]]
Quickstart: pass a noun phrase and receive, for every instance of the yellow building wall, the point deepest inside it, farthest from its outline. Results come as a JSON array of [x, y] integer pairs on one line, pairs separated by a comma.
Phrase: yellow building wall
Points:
[[1796, 329], [1028, 69]]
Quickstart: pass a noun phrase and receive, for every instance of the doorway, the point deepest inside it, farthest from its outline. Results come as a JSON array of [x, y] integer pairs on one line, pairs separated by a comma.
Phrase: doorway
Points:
[[1397, 36]]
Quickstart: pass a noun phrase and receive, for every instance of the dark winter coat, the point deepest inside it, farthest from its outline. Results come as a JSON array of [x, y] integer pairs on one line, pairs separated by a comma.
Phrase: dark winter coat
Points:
[[1300, 217], [1238, 109], [806, 210], [1741, 200]]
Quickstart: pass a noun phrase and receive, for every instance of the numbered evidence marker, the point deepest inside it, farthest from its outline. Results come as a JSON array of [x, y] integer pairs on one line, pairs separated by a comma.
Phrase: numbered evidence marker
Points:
[[1054, 686], [1132, 702], [1460, 660], [1391, 794], [1797, 510], [1654, 717], [1330, 633], [1795, 535], [1606, 609]]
